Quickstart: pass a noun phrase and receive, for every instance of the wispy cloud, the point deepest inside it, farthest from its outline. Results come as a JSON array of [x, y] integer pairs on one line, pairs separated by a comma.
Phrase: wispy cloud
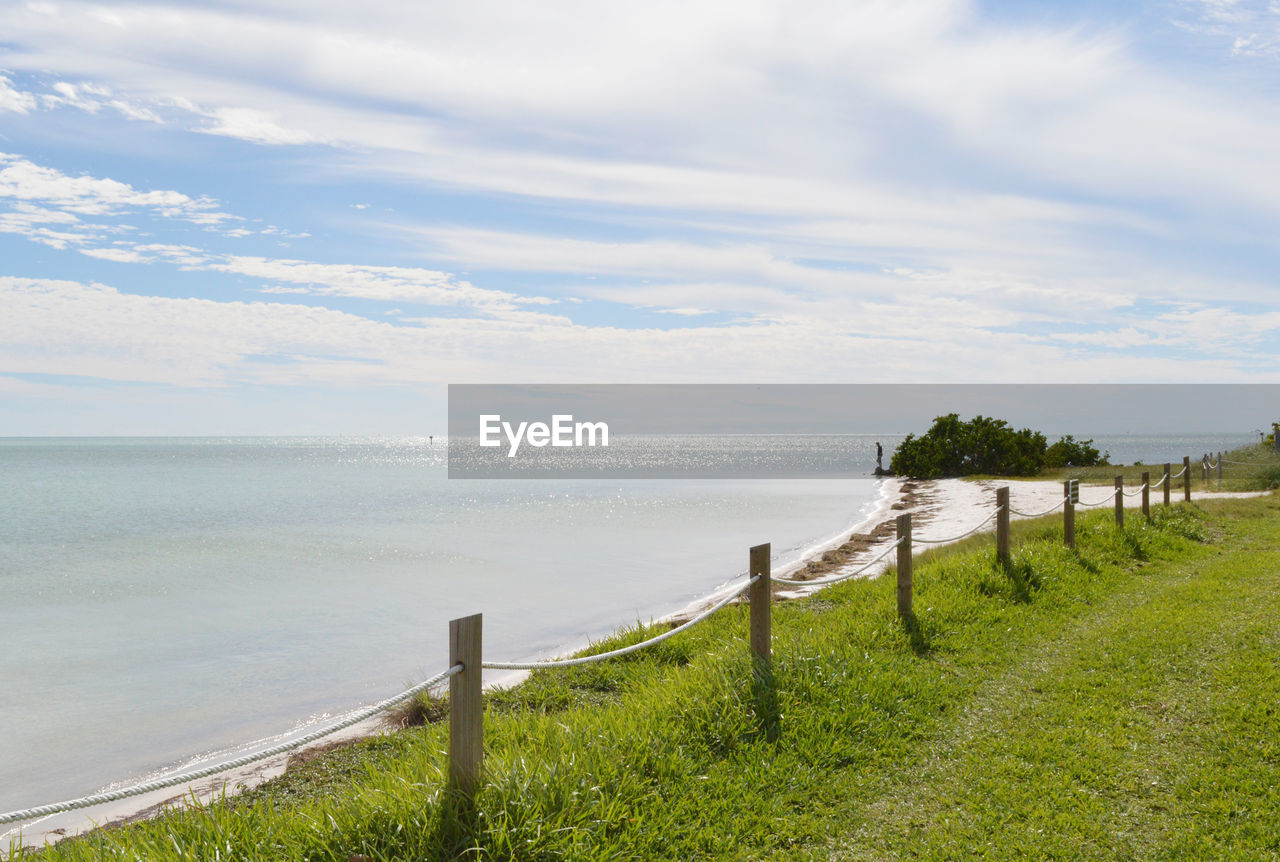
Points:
[[59, 327], [14, 100], [709, 105], [24, 181], [1247, 28], [383, 283], [252, 125]]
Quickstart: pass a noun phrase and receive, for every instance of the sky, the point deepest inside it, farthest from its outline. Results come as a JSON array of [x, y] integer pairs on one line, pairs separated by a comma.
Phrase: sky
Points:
[[309, 216]]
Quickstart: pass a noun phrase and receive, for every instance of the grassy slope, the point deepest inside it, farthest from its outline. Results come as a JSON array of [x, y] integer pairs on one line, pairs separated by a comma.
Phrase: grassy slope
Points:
[[1256, 468], [1115, 702]]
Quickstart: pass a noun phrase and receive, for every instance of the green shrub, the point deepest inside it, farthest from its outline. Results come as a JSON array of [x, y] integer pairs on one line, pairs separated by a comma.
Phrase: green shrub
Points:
[[1069, 451], [981, 445]]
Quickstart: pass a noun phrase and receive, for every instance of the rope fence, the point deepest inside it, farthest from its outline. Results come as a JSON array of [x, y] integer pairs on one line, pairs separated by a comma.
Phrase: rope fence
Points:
[[949, 539], [466, 743], [1102, 502], [196, 774], [835, 579], [626, 650], [1052, 508]]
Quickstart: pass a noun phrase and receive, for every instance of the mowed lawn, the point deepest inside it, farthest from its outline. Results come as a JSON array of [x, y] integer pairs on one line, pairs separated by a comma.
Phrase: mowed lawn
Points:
[[1118, 701]]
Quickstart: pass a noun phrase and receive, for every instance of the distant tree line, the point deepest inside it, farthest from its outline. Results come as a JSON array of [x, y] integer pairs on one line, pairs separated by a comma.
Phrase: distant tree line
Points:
[[986, 446]]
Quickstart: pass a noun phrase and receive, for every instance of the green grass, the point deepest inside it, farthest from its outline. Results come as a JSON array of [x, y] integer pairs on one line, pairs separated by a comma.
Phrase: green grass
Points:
[[1113, 702], [1259, 470]]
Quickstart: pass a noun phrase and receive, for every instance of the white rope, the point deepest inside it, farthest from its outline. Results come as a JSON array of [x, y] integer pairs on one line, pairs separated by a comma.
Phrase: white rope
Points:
[[1136, 491], [1106, 499], [1155, 485], [161, 783], [1213, 465], [589, 659], [1179, 473], [835, 579], [1037, 514], [950, 539]]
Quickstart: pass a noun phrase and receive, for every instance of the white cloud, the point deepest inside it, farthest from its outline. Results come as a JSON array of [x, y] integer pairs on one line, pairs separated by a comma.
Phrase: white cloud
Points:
[[252, 125], [386, 283], [24, 181], [15, 100], [115, 255], [92, 98], [1251, 28], [66, 328]]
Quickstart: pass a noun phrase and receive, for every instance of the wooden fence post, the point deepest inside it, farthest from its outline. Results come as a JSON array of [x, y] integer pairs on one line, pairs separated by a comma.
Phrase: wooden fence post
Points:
[[1068, 516], [1119, 501], [1002, 526], [1219, 471], [466, 709], [904, 565], [1186, 477], [760, 595], [1166, 483], [1146, 496]]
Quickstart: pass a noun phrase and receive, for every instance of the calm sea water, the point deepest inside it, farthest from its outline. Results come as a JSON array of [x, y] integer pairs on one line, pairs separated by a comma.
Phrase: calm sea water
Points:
[[165, 598], [172, 598]]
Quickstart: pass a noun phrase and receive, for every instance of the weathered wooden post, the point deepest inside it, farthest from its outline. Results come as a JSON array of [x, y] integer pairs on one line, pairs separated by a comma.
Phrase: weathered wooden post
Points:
[[1119, 501], [1068, 516], [1146, 496], [1165, 483], [1002, 526], [466, 709], [904, 566], [1186, 478], [763, 689], [760, 596], [1219, 471]]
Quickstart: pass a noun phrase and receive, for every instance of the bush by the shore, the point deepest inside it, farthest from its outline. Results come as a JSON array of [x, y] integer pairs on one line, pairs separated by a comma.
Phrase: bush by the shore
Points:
[[984, 445]]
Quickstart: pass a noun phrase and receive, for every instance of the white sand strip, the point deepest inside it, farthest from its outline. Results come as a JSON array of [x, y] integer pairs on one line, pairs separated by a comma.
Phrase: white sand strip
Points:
[[948, 507]]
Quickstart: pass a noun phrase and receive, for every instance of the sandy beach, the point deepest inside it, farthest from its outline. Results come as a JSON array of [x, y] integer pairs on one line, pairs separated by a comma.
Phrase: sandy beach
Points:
[[946, 509], [942, 509]]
